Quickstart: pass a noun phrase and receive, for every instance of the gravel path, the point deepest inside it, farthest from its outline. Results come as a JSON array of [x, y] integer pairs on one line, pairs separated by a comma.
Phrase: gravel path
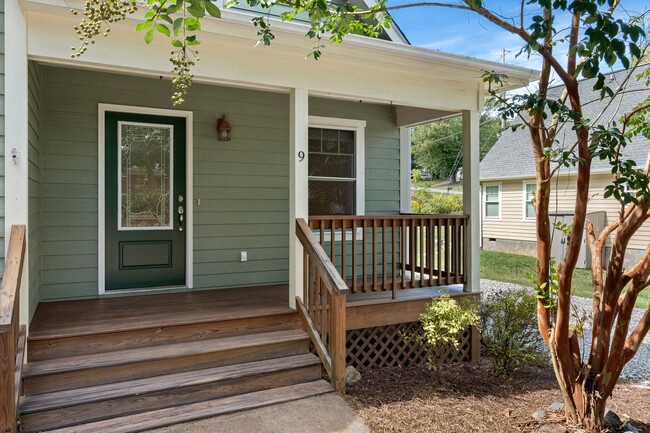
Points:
[[636, 371]]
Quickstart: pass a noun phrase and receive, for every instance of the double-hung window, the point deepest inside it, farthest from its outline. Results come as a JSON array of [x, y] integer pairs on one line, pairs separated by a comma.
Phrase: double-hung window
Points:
[[492, 201], [529, 193], [335, 166]]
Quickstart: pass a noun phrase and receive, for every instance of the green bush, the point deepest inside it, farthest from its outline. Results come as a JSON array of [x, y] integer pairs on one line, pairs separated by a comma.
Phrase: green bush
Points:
[[509, 329], [444, 322], [427, 202]]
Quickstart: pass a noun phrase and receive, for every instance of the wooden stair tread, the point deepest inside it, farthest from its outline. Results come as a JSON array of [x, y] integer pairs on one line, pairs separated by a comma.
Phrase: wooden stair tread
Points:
[[91, 394], [63, 319], [190, 412], [176, 350]]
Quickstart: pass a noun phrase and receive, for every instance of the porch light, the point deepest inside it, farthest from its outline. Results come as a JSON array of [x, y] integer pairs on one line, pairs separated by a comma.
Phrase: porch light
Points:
[[223, 129]]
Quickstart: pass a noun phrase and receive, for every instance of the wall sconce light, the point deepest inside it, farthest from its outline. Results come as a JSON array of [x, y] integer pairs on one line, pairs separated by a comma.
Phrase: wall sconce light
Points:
[[223, 129]]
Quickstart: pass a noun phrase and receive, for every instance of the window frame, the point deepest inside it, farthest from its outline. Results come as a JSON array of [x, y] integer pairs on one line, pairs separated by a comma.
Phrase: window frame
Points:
[[358, 127], [500, 201], [524, 215]]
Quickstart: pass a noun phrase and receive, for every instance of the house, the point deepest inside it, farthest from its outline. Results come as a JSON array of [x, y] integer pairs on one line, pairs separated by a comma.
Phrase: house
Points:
[[168, 275], [508, 180]]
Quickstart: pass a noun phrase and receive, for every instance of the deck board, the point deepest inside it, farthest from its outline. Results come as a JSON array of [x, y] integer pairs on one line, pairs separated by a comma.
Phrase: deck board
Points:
[[92, 316]]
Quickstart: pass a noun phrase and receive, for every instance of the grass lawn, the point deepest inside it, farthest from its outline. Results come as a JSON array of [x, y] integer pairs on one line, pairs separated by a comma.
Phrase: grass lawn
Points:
[[513, 268]]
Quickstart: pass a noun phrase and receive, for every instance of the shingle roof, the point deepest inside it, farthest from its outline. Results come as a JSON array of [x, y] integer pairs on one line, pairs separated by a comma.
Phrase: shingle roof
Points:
[[512, 154]]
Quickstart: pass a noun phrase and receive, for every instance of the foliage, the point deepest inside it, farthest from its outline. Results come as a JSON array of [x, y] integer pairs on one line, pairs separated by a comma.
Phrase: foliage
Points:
[[428, 202], [438, 146], [509, 329], [443, 322]]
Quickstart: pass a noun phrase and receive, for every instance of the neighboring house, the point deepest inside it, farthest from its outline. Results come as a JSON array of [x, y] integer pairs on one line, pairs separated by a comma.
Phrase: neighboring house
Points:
[[508, 179], [123, 194]]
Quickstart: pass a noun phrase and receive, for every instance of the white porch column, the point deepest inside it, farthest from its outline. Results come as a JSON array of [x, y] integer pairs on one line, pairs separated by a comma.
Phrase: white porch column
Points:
[[405, 169], [298, 190], [471, 199], [16, 127]]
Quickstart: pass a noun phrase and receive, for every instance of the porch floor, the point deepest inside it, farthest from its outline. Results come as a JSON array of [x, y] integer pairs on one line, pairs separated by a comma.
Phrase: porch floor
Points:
[[93, 316]]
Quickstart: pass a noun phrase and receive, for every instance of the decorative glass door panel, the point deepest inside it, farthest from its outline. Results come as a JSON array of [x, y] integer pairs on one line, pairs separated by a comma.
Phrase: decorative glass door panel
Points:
[[145, 172]]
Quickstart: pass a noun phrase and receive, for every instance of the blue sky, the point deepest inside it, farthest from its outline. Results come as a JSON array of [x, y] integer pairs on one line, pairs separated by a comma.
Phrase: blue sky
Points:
[[463, 32]]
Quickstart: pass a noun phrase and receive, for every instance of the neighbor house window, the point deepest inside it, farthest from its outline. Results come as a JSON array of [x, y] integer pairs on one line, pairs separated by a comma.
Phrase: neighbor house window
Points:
[[335, 166], [529, 193], [492, 201]]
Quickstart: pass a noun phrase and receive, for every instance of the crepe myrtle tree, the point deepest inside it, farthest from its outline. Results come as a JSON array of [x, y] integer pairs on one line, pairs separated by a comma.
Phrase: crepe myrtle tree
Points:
[[596, 40]]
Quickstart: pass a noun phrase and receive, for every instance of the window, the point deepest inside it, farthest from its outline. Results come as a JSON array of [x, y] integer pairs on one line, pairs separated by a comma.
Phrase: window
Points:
[[529, 193], [335, 166], [492, 201]]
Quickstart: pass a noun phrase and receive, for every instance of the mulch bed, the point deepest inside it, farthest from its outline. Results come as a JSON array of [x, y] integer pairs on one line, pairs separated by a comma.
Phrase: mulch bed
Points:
[[471, 398]]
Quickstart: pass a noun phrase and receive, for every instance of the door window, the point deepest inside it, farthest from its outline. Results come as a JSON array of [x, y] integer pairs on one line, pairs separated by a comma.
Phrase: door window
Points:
[[145, 174]]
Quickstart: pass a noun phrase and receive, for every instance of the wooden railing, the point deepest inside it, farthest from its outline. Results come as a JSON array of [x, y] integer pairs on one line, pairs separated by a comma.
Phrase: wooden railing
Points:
[[12, 336], [323, 309], [391, 253]]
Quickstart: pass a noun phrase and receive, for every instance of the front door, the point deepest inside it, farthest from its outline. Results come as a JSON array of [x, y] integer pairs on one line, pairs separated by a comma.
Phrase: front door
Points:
[[145, 201]]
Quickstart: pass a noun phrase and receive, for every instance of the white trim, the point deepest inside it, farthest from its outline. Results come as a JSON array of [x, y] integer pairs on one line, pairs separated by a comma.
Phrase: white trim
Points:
[[101, 194], [524, 200], [405, 169], [485, 185], [358, 126], [170, 222]]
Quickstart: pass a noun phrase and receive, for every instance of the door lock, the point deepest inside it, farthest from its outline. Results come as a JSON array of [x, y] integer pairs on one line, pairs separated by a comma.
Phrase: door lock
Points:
[[181, 218]]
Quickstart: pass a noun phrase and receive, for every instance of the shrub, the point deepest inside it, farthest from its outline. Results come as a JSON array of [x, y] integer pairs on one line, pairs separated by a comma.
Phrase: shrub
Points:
[[509, 329], [443, 323], [427, 202]]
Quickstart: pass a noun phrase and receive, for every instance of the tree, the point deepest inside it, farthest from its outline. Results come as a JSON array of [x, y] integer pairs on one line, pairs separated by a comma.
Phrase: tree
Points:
[[594, 37], [438, 146]]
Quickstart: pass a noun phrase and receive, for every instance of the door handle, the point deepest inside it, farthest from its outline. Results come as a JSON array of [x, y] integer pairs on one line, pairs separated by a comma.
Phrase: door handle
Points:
[[181, 218]]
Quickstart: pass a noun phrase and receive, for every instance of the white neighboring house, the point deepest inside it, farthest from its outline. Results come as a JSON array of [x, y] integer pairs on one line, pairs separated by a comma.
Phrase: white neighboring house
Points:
[[508, 180]]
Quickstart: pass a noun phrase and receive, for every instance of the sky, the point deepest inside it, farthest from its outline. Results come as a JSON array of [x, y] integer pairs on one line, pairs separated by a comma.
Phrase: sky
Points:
[[466, 33]]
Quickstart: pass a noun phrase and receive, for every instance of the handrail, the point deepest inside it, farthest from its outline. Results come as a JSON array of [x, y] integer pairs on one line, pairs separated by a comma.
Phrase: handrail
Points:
[[395, 252], [10, 330], [324, 313]]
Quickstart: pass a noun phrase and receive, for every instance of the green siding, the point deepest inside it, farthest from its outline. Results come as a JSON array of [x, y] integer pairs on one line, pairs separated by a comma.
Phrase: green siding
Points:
[[2, 137], [243, 184], [34, 184], [382, 150]]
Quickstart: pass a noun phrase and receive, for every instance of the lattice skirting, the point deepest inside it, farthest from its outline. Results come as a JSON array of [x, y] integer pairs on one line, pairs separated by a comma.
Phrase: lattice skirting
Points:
[[397, 346]]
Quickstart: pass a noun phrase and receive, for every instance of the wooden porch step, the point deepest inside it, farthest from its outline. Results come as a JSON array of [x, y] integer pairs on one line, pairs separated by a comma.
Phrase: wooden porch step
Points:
[[76, 342], [88, 370], [190, 412], [92, 404]]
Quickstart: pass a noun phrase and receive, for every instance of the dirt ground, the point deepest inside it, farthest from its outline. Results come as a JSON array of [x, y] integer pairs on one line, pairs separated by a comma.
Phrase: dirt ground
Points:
[[472, 398]]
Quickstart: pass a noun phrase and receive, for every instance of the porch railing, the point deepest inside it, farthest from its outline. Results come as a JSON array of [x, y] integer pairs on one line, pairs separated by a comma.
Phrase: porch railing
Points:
[[12, 336], [391, 253], [323, 309]]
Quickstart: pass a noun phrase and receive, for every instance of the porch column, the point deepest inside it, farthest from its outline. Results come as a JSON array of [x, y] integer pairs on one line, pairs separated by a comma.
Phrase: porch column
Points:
[[298, 189], [15, 136], [405, 169], [471, 199]]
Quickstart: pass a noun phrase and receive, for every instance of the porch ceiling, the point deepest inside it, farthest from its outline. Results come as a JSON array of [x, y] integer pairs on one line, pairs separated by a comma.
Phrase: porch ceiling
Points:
[[374, 70]]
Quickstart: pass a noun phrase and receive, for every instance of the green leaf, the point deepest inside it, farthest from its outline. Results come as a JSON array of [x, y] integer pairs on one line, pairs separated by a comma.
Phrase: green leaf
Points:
[[172, 9], [192, 24], [196, 11], [166, 18], [143, 25], [148, 37], [163, 29], [212, 9], [178, 25], [176, 43]]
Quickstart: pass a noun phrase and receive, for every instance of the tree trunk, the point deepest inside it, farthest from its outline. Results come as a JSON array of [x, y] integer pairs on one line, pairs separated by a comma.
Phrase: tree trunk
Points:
[[591, 408]]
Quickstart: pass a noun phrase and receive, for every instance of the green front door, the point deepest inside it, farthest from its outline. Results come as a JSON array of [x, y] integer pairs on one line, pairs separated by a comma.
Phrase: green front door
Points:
[[145, 201]]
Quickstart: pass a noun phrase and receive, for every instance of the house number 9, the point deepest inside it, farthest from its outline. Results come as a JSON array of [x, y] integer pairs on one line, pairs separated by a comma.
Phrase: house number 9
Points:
[[301, 156]]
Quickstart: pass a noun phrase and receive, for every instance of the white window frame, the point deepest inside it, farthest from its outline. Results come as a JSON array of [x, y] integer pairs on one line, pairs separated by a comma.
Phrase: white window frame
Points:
[[359, 128], [485, 185], [524, 185]]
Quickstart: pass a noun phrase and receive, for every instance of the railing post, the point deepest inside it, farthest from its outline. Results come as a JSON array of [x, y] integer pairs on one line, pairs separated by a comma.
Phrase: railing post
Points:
[[8, 347], [338, 337]]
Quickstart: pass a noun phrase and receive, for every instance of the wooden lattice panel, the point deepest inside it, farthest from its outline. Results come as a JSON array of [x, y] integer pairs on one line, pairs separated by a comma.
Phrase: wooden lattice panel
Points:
[[398, 346]]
